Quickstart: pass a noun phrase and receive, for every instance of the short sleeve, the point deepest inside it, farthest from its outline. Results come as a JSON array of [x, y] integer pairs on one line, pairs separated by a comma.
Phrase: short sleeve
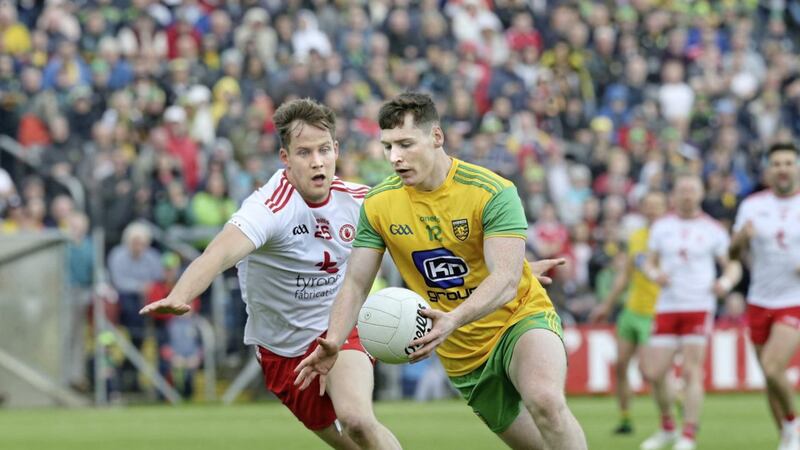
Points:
[[366, 236], [503, 215], [254, 219], [742, 215], [654, 240], [723, 241]]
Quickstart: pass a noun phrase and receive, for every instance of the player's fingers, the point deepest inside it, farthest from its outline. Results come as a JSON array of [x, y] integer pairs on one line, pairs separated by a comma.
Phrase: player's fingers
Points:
[[544, 280], [321, 385], [428, 337]]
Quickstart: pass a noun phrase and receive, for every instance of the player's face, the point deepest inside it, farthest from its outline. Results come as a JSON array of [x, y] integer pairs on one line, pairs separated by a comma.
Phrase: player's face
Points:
[[782, 172], [410, 150], [688, 193], [310, 161], [653, 206]]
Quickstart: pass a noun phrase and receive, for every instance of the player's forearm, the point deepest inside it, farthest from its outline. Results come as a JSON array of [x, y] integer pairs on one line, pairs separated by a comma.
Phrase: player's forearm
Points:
[[495, 291], [197, 277], [731, 275], [344, 312], [738, 245]]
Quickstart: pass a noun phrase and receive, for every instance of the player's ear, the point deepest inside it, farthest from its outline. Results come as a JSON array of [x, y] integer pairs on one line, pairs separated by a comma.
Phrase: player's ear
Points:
[[438, 135], [284, 154], [336, 149]]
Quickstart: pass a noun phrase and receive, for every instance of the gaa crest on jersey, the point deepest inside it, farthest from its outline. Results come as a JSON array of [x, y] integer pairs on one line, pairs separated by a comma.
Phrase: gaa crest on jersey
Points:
[[461, 229], [347, 232]]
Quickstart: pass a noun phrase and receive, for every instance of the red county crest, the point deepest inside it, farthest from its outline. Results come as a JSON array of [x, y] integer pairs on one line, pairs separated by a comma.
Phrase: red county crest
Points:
[[347, 232]]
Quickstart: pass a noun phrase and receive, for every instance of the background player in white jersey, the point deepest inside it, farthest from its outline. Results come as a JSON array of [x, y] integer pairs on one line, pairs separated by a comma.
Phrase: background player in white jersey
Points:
[[292, 240], [682, 251], [768, 225]]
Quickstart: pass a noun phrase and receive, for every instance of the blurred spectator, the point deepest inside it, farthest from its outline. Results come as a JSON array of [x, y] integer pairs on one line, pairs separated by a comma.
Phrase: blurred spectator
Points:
[[133, 266], [81, 265]]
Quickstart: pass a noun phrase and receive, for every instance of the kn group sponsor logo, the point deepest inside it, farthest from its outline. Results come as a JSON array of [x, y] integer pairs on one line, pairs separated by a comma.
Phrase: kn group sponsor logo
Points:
[[347, 232], [400, 230], [440, 268]]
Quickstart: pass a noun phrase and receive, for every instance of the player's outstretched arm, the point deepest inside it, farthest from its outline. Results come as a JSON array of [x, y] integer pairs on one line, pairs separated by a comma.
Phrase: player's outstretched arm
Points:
[[227, 248], [504, 257], [361, 270]]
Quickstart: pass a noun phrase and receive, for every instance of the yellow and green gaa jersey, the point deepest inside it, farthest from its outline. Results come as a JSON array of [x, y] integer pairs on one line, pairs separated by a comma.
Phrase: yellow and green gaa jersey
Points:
[[436, 240], [643, 292]]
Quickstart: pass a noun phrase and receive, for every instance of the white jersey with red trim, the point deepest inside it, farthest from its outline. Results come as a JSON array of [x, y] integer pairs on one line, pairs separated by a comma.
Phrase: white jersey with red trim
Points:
[[775, 248], [687, 250], [289, 282]]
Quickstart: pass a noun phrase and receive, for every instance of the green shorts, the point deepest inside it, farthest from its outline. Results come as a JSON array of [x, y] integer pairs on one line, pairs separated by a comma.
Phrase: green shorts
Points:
[[634, 327], [488, 389]]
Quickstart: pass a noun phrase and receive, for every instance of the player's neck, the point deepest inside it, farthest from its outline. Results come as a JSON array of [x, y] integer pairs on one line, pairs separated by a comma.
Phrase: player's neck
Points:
[[787, 194], [441, 168], [688, 215]]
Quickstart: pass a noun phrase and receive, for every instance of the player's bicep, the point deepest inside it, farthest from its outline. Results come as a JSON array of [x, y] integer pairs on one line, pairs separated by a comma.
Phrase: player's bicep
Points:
[[504, 255], [229, 246]]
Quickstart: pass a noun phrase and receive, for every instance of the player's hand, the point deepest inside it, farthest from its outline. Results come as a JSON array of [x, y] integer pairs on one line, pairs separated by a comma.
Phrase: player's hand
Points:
[[318, 363], [662, 279], [722, 287], [600, 313], [542, 266], [443, 325], [166, 306]]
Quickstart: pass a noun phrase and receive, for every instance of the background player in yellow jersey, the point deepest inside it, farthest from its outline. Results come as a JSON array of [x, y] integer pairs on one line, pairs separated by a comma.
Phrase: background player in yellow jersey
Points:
[[457, 233], [635, 321]]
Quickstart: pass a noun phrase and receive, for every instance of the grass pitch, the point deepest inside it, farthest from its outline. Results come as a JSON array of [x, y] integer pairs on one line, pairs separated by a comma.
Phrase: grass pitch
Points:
[[730, 422]]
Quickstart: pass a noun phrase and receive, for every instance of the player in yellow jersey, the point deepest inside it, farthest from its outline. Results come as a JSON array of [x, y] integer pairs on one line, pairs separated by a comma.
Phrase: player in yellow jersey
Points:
[[636, 319], [457, 233]]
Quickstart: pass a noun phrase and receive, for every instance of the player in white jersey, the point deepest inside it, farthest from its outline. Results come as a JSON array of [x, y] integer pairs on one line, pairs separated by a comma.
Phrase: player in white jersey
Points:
[[768, 225], [292, 240], [682, 251]]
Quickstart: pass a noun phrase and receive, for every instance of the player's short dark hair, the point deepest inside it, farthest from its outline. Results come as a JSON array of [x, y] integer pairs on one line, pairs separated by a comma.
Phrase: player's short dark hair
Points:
[[304, 110], [782, 147], [420, 106]]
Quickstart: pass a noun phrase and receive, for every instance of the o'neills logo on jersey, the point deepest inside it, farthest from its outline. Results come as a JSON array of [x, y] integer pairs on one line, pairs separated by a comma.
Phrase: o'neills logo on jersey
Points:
[[347, 232], [461, 229]]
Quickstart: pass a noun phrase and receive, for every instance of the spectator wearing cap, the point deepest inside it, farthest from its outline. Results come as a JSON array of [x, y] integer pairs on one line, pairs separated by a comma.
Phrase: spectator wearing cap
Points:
[[200, 119], [82, 113], [255, 29], [181, 146], [307, 37]]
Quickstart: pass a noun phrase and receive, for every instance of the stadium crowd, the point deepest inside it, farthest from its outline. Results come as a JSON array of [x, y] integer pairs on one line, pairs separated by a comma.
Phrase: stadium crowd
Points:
[[162, 111]]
